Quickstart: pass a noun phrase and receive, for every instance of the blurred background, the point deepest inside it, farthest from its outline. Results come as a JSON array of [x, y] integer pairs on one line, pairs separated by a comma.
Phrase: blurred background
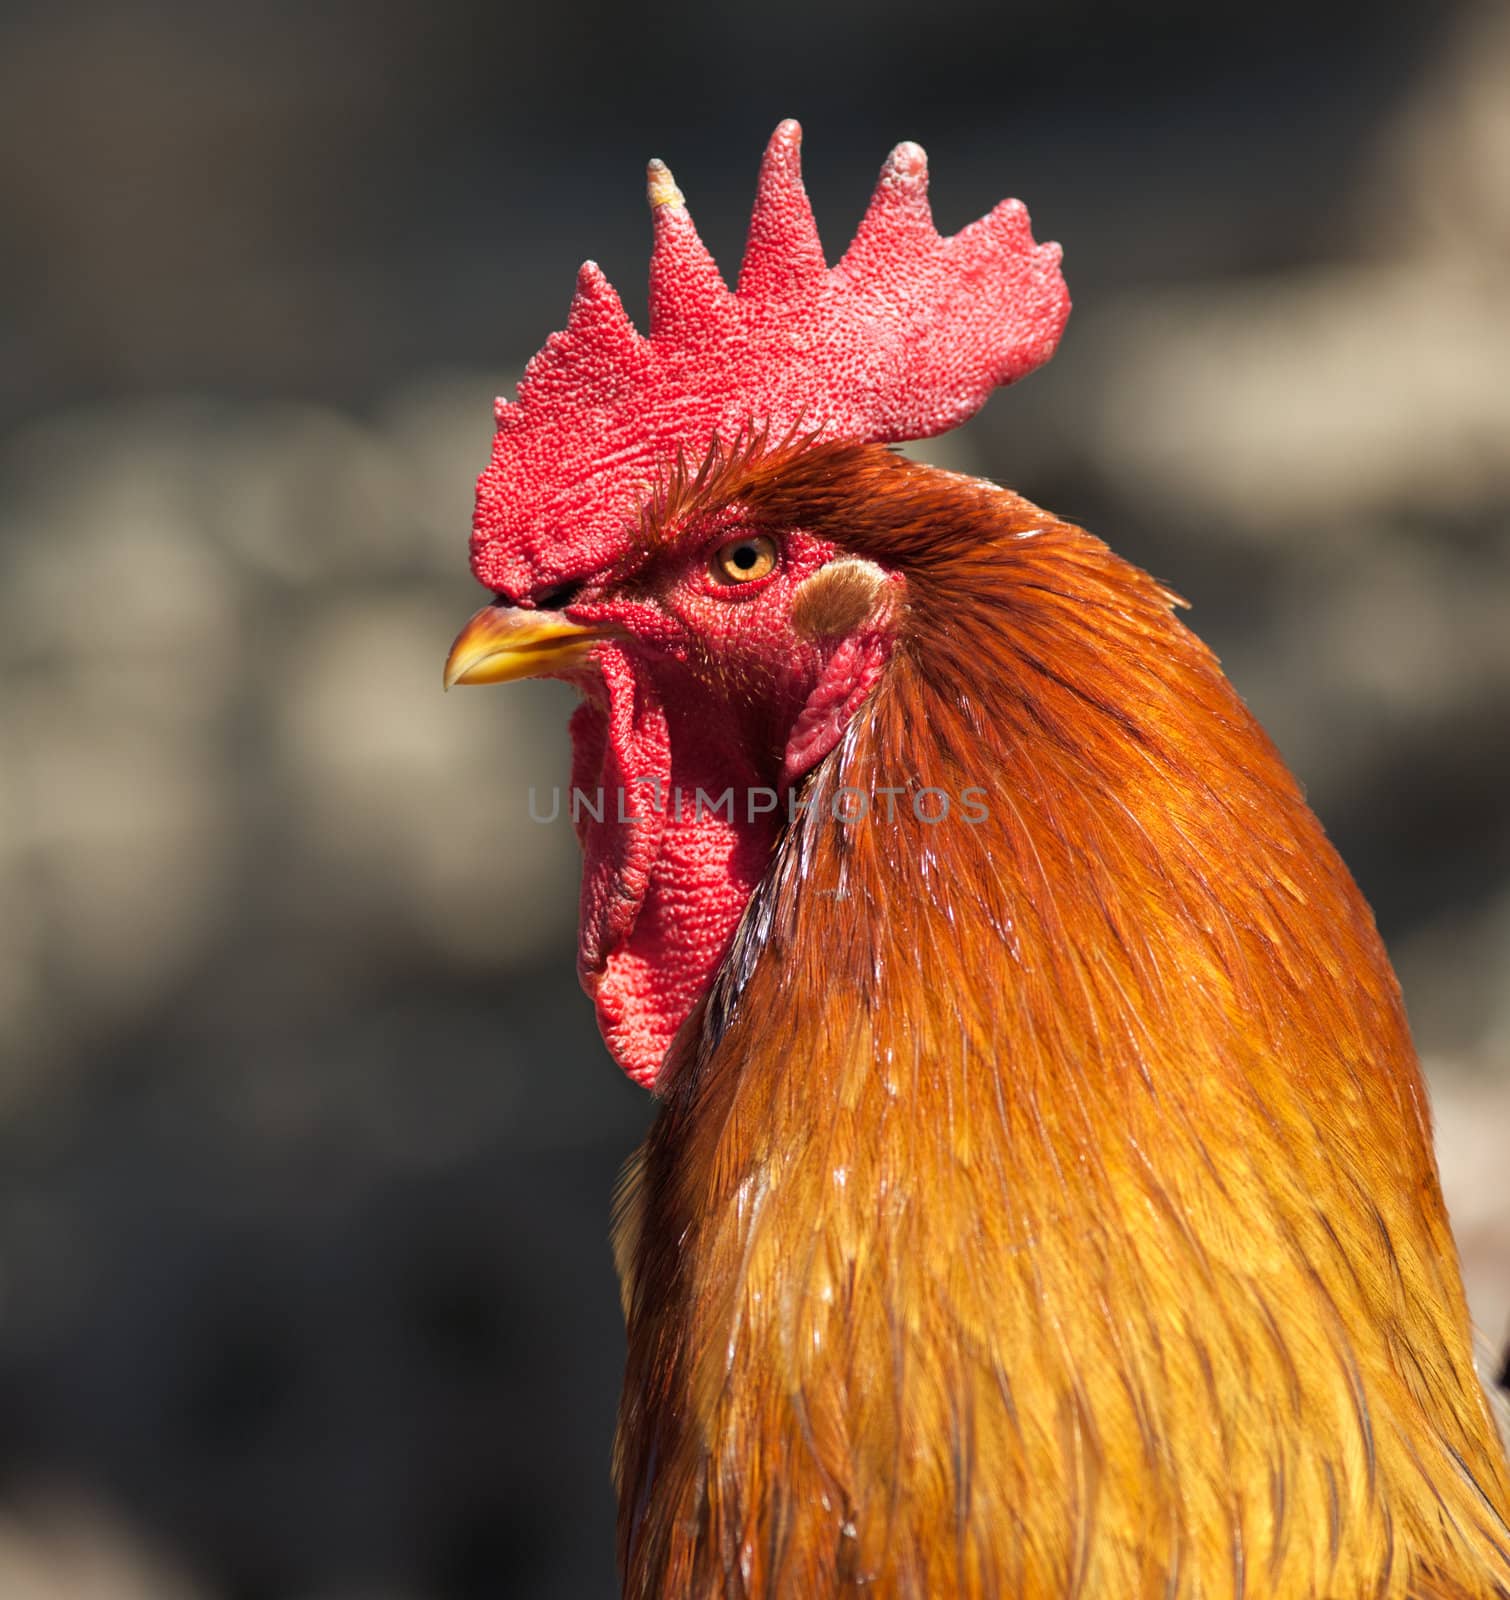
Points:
[[306, 1135]]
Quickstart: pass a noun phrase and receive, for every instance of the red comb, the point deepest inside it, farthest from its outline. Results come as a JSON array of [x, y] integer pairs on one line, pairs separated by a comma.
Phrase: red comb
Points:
[[905, 338]]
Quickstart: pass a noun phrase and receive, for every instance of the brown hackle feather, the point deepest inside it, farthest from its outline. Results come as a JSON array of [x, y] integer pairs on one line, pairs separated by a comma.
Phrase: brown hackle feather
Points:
[[1045, 1207]]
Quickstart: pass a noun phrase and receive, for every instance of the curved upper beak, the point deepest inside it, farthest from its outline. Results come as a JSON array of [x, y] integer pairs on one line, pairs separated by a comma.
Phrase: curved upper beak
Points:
[[501, 643]]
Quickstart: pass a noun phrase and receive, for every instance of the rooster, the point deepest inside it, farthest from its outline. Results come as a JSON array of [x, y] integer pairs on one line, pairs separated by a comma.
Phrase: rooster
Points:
[[1042, 1199]]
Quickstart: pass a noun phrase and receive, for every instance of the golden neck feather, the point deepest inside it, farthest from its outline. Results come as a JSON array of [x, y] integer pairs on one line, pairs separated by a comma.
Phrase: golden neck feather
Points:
[[1048, 1206]]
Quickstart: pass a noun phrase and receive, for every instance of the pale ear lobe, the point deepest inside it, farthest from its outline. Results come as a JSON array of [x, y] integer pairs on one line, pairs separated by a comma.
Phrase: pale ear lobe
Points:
[[837, 598]]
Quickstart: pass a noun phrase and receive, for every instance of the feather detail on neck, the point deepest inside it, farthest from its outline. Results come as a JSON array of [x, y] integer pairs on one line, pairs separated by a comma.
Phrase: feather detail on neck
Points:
[[1044, 1205]]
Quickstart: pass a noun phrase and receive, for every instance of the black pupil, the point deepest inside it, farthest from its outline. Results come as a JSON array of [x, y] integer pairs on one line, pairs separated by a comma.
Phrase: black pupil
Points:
[[745, 556]]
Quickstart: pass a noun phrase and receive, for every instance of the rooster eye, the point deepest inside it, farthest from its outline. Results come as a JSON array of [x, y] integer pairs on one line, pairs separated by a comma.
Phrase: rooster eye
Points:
[[743, 560]]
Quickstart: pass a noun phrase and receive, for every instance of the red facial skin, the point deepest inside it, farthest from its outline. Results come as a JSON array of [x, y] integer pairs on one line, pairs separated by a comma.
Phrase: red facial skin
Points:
[[708, 687]]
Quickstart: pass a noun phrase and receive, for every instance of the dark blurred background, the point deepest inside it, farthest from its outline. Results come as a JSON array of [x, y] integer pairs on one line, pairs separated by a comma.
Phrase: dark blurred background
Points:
[[306, 1135]]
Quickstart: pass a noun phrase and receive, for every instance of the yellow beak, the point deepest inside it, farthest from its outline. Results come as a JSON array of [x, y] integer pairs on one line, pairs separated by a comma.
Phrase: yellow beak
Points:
[[501, 643]]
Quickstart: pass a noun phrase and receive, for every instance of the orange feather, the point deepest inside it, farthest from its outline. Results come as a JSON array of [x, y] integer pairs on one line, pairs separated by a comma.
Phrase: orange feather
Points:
[[1045, 1206]]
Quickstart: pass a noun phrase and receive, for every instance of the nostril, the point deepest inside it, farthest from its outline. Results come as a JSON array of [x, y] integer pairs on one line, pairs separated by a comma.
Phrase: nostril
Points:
[[551, 599], [559, 595]]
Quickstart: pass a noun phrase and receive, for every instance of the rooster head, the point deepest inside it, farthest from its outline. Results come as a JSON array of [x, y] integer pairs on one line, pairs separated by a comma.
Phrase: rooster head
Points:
[[625, 525]]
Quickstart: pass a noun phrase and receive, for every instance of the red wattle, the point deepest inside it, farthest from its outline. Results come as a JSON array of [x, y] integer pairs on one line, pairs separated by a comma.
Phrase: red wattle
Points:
[[686, 832]]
